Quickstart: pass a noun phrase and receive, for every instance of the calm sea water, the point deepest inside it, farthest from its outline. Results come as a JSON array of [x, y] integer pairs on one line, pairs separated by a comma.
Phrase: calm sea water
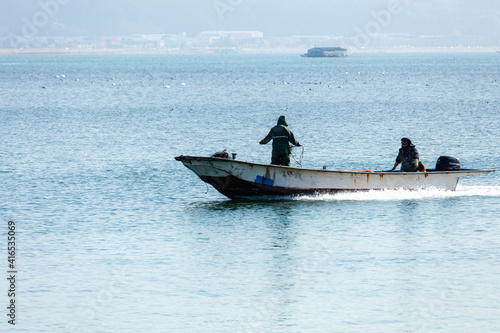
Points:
[[113, 235]]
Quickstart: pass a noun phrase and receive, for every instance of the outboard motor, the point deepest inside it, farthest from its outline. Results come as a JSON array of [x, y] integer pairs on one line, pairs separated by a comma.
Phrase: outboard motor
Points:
[[447, 163]]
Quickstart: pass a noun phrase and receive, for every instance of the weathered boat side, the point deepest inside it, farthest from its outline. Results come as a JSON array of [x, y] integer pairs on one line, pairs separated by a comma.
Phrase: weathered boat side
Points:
[[236, 179]]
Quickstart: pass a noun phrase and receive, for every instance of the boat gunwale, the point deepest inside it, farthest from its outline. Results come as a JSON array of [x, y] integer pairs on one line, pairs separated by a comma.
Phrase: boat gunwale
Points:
[[182, 158]]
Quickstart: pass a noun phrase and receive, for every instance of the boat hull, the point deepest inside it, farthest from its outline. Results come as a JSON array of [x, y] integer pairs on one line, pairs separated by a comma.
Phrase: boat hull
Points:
[[238, 179]]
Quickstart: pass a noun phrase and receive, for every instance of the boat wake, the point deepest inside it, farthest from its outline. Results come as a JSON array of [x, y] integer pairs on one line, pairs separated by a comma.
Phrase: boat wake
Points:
[[398, 195]]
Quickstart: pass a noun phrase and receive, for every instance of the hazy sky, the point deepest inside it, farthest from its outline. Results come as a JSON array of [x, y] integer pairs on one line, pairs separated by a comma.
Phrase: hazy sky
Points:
[[273, 17]]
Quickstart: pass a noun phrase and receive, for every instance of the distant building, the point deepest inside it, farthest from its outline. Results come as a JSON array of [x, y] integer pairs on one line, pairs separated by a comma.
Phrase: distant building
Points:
[[228, 38], [326, 52], [232, 34]]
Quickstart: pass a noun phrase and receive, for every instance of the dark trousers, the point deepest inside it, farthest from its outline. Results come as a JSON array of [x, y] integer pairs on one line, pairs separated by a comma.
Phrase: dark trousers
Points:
[[412, 167], [281, 160]]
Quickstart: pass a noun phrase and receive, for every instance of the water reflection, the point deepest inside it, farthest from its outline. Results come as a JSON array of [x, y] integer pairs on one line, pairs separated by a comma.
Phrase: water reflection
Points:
[[269, 247], [290, 260], [408, 206], [282, 270]]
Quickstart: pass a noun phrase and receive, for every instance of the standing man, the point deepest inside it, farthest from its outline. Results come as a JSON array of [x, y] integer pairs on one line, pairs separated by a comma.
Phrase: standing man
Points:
[[408, 157], [281, 135]]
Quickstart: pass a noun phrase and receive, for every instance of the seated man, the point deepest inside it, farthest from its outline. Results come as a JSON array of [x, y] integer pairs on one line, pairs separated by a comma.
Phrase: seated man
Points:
[[408, 157]]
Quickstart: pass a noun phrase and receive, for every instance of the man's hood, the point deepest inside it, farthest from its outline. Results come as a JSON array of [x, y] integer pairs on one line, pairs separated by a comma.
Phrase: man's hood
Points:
[[282, 121]]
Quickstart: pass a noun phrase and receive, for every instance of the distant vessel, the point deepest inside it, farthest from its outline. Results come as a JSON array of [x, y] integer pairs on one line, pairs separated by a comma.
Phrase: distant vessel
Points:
[[325, 52]]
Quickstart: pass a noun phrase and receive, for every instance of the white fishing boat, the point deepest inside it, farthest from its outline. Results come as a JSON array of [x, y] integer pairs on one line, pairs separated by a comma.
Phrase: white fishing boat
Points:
[[239, 179]]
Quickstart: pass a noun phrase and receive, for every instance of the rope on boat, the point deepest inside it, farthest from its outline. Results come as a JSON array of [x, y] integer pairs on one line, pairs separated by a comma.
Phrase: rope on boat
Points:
[[294, 155]]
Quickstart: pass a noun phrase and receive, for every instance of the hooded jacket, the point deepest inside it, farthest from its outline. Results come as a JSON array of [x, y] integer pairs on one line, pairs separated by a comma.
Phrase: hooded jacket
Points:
[[281, 135], [408, 157]]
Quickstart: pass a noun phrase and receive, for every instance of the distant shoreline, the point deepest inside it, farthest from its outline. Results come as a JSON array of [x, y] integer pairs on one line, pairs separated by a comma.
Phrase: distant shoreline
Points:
[[243, 51]]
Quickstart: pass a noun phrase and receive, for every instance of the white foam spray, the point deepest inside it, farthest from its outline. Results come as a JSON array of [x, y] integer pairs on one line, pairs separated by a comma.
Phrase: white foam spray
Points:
[[397, 195]]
